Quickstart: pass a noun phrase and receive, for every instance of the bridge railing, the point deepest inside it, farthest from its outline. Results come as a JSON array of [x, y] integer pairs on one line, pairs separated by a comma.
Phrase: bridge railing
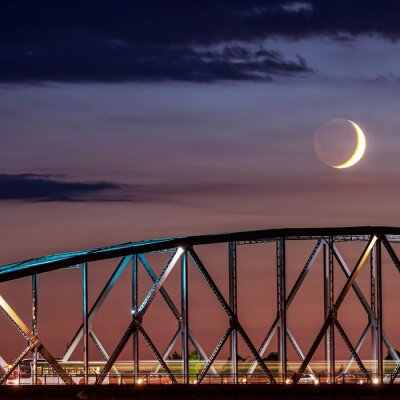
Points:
[[216, 379]]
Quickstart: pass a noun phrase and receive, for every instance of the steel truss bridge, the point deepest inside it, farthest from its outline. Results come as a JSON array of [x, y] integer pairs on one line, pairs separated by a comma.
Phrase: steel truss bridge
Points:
[[376, 240]]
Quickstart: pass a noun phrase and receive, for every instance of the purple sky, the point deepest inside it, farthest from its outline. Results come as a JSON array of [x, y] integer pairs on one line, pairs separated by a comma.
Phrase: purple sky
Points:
[[200, 131]]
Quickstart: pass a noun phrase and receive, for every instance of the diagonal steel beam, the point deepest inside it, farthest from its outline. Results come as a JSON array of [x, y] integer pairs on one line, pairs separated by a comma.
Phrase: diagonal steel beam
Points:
[[170, 346], [391, 252], [16, 363], [156, 352], [159, 282], [196, 345], [96, 306], [307, 266], [34, 341], [207, 277], [356, 270], [236, 325], [176, 313], [254, 352], [298, 351], [101, 348], [214, 355], [3, 363], [163, 292], [395, 373], [358, 347], [346, 271], [352, 350], [332, 315], [266, 341], [364, 301], [114, 356], [140, 312], [200, 351]]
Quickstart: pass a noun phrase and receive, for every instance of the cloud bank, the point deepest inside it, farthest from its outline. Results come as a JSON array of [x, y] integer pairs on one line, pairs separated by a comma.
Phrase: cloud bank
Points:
[[118, 40]]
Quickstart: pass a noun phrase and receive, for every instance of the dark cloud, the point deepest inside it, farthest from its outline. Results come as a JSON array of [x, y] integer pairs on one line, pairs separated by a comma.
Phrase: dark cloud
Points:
[[120, 63], [153, 40], [147, 40], [39, 188]]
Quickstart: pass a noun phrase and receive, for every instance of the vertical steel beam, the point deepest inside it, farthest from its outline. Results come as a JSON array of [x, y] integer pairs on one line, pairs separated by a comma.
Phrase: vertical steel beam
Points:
[[233, 306], [135, 303], [85, 322], [281, 302], [379, 312], [185, 317], [332, 360], [326, 303], [328, 307], [35, 323], [373, 310]]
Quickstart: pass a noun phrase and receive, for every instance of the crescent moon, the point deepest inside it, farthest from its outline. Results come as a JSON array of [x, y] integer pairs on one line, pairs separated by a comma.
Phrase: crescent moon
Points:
[[358, 151]]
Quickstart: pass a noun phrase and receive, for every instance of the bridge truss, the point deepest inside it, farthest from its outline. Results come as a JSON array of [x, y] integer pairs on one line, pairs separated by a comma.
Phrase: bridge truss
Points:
[[135, 255]]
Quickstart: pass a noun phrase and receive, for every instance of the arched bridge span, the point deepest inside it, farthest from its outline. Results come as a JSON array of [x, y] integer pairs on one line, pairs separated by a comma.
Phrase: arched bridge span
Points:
[[182, 249]]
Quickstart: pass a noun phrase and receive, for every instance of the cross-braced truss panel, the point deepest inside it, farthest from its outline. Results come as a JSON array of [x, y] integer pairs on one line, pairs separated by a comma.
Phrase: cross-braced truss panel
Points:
[[279, 354]]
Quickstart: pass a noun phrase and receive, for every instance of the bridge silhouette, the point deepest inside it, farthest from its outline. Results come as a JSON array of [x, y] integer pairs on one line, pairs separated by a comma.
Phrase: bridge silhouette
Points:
[[257, 369]]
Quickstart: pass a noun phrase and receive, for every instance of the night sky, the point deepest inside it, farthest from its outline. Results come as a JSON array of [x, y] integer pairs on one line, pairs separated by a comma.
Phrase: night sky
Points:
[[129, 120]]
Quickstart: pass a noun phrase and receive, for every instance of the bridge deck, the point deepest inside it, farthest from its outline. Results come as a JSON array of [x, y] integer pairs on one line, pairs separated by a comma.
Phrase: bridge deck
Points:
[[207, 392]]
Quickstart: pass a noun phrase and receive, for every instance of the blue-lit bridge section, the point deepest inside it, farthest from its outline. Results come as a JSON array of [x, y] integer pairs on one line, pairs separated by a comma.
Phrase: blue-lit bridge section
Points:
[[37, 366]]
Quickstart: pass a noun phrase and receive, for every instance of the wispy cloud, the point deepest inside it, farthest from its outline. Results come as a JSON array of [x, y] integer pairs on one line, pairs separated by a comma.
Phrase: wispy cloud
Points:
[[44, 188]]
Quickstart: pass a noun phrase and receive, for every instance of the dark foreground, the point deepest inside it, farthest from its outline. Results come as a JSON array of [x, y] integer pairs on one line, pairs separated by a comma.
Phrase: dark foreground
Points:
[[205, 392]]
